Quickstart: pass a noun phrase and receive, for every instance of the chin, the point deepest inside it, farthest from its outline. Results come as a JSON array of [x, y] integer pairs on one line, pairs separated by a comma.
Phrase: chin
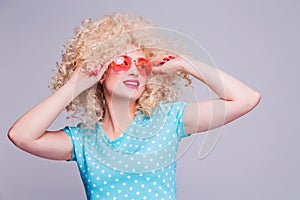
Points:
[[128, 95], [136, 95]]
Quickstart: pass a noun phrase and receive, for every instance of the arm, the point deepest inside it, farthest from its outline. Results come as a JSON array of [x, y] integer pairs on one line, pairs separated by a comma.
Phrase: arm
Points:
[[30, 133], [236, 98]]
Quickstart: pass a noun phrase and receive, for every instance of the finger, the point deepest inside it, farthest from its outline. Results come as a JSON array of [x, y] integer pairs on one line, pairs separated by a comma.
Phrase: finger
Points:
[[163, 60], [93, 72], [95, 69], [158, 63], [158, 70]]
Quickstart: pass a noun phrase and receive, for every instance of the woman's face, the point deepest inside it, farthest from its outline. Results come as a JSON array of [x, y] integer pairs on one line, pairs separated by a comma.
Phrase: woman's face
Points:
[[128, 85]]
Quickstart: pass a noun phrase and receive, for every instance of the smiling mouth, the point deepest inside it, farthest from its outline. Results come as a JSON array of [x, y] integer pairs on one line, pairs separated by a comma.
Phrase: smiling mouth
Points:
[[132, 83]]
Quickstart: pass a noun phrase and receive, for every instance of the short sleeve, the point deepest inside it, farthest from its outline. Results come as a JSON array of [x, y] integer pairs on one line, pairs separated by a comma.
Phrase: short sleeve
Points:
[[177, 111], [70, 132]]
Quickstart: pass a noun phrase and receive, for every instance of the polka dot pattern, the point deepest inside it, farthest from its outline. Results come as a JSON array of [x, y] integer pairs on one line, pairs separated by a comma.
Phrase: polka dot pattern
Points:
[[140, 164]]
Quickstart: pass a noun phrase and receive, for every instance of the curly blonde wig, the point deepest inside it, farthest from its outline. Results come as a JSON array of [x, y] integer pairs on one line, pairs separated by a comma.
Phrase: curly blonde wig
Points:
[[101, 41]]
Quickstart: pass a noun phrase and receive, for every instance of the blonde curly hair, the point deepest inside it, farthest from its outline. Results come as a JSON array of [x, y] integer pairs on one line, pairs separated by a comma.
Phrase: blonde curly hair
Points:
[[102, 40]]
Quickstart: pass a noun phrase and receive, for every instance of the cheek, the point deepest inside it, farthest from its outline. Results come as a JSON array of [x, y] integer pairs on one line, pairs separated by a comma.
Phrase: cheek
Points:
[[109, 81], [114, 84]]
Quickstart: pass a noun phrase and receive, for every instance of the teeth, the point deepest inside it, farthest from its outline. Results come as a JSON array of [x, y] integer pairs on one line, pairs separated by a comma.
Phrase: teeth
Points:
[[131, 83]]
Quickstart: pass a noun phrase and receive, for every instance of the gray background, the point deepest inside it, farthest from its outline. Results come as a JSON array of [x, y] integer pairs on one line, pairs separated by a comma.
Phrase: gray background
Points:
[[256, 41]]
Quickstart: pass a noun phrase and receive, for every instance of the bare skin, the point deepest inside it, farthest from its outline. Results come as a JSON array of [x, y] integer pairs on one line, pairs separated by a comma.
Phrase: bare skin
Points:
[[30, 132], [236, 98], [121, 100]]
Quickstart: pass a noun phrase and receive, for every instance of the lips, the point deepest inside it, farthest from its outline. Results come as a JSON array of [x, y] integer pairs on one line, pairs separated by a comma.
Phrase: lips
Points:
[[132, 83]]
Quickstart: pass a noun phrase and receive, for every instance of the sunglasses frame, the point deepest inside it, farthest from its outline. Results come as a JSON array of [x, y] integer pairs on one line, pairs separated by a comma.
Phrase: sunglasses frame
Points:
[[124, 64]]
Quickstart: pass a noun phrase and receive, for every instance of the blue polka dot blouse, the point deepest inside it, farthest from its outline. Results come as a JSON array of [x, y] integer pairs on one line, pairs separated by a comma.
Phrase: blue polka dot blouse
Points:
[[139, 164]]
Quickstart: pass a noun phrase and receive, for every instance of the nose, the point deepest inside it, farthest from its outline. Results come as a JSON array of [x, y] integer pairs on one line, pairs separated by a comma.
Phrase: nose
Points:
[[133, 71]]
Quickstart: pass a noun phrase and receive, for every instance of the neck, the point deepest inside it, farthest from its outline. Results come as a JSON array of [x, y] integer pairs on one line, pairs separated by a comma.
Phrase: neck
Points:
[[119, 113]]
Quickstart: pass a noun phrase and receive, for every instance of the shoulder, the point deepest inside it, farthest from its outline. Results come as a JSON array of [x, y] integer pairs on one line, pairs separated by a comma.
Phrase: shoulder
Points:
[[171, 108], [173, 111], [175, 120], [79, 130]]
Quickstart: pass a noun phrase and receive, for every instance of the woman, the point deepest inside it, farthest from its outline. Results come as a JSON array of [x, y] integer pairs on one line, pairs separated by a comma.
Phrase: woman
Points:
[[118, 77]]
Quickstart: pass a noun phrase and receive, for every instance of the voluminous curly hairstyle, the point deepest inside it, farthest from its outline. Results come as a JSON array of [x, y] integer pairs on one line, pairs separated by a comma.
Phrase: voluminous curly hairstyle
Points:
[[100, 42]]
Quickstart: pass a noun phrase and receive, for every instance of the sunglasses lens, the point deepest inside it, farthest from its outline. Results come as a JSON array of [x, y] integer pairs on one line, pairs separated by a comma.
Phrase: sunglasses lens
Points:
[[144, 66], [121, 64]]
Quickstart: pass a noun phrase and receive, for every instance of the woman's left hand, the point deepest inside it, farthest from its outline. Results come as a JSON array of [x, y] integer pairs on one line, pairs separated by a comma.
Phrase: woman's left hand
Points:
[[167, 65]]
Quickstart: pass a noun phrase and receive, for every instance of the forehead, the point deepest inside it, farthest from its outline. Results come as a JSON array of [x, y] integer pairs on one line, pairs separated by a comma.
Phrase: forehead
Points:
[[135, 53]]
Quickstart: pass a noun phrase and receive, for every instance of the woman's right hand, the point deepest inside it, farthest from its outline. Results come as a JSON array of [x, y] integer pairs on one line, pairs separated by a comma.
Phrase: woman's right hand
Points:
[[87, 75], [30, 133]]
